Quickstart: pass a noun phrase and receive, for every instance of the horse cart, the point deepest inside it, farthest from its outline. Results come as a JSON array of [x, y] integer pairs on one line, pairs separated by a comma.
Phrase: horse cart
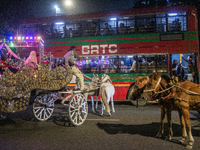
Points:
[[19, 90]]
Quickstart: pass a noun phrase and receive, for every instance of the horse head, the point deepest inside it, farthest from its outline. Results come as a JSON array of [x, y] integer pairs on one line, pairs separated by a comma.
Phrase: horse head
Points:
[[156, 83], [138, 87], [105, 78], [95, 78]]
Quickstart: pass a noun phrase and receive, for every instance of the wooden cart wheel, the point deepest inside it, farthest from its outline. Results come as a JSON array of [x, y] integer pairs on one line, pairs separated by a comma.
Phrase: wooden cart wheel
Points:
[[78, 109], [43, 107]]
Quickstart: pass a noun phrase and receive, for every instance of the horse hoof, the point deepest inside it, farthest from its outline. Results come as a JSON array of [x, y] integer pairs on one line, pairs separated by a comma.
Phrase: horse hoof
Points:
[[182, 141], [93, 111], [189, 147], [158, 135], [168, 138]]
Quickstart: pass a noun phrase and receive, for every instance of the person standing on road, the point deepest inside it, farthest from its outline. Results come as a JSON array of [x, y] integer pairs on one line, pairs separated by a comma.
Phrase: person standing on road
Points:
[[70, 57]]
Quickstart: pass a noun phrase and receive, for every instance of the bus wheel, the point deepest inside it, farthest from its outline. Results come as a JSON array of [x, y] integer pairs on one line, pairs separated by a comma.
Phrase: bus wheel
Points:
[[141, 101]]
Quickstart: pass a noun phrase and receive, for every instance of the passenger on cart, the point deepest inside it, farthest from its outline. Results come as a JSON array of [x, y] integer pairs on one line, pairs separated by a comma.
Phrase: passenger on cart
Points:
[[31, 61], [70, 57]]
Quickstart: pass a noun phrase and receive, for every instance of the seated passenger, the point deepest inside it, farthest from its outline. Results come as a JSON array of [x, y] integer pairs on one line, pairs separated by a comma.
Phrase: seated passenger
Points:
[[106, 30], [31, 61], [94, 29], [122, 29], [133, 68]]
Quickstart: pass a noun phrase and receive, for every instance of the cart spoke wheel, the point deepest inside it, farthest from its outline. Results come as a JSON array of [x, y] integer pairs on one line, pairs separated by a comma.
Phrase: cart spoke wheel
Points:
[[78, 109], [43, 107]]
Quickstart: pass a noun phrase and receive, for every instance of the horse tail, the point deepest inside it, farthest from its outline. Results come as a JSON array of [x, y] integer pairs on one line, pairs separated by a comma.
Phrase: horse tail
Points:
[[103, 98]]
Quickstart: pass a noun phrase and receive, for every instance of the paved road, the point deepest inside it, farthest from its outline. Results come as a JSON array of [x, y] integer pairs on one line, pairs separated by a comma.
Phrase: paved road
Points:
[[129, 128]]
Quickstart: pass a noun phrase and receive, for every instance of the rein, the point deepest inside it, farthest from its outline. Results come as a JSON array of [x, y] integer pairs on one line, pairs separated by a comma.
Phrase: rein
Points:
[[153, 90]]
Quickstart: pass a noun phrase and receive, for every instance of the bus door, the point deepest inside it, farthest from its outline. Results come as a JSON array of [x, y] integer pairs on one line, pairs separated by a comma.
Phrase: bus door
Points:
[[183, 67]]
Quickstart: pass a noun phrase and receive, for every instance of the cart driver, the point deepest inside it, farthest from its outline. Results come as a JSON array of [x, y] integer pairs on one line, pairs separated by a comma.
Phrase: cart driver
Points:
[[70, 56]]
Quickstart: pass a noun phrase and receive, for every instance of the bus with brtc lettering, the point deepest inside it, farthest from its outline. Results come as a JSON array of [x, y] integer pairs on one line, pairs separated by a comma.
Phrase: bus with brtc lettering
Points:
[[113, 41]]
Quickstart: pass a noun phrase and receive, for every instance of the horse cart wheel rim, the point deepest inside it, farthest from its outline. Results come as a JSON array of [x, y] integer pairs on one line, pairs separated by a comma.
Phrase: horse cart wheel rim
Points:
[[78, 109], [43, 107]]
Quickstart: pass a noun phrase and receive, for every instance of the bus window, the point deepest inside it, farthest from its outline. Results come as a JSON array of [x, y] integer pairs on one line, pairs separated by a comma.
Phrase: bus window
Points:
[[58, 29], [146, 24], [125, 63], [160, 22], [91, 28], [177, 22], [90, 65], [73, 29], [113, 64], [104, 64], [147, 63], [130, 25], [162, 63], [108, 27]]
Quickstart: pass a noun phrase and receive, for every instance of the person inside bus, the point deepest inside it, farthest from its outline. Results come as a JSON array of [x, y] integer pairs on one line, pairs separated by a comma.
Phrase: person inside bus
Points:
[[122, 67], [70, 57], [113, 68], [122, 29], [177, 70], [106, 30], [70, 33], [94, 29], [191, 72], [78, 32], [133, 67], [189, 59]]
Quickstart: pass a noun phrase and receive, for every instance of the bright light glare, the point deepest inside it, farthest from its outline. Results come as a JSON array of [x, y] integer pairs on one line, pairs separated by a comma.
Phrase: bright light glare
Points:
[[39, 37], [19, 38], [112, 18], [172, 14], [59, 22], [68, 2], [56, 7]]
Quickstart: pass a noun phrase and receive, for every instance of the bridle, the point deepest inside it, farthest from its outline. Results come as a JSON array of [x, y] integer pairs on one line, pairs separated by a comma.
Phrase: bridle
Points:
[[153, 90]]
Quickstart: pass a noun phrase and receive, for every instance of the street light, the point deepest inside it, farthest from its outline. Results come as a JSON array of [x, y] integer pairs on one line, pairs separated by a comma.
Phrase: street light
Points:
[[68, 2]]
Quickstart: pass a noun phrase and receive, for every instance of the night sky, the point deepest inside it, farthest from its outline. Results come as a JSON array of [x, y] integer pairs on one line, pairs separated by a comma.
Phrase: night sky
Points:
[[43, 8]]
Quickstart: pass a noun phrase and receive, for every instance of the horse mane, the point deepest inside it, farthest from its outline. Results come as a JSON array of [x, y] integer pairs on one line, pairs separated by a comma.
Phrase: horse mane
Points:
[[156, 75], [165, 77]]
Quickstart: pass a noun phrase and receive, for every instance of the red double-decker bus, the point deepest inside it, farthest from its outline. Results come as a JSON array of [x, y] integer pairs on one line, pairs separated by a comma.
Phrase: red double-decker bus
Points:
[[109, 41]]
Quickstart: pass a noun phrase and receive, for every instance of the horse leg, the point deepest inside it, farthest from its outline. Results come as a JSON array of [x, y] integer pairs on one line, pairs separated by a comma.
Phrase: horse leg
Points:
[[92, 104], [169, 120], [96, 102], [162, 117], [112, 103], [186, 116], [108, 110], [102, 109], [184, 133]]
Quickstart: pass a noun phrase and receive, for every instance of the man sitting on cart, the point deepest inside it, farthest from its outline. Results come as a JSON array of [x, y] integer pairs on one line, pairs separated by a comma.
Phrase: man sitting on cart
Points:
[[70, 57]]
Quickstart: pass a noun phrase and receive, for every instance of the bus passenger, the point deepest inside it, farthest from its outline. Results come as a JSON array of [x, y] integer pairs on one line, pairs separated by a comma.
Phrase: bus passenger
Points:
[[70, 56], [122, 67], [94, 29], [191, 72], [106, 30], [122, 29], [133, 68]]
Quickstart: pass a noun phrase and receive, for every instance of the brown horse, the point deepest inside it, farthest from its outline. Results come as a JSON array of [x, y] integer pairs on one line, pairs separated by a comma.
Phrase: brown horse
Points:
[[183, 97], [165, 106]]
